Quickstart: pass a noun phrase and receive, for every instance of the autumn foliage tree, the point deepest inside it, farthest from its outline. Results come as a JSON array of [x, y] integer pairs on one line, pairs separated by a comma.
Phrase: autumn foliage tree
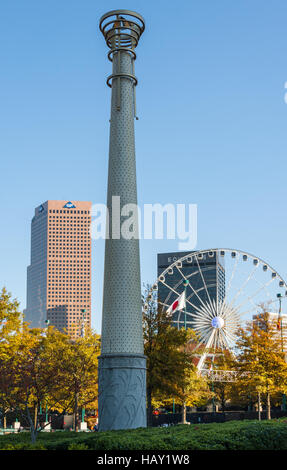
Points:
[[77, 385], [171, 371], [193, 390], [44, 367], [223, 389], [166, 359], [260, 362], [10, 325]]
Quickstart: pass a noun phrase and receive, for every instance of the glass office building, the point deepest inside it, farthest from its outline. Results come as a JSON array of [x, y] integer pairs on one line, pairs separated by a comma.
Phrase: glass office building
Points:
[[59, 275], [206, 276]]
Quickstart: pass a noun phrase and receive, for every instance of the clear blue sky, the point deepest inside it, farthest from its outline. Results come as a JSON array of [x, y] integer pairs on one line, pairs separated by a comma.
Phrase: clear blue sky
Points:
[[212, 128]]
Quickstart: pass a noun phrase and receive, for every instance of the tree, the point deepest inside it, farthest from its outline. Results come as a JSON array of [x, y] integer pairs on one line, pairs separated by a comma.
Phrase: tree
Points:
[[194, 389], [44, 366], [10, 324], [166, 359], [260, 361], [10, 316], [30, 372], [194, 392], [78, 380], [223, 389]]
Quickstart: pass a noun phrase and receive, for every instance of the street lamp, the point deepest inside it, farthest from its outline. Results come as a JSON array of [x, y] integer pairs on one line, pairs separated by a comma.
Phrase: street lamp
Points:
[[279, 297], [47, 323], [46, 413], [83, 311], [185, 283]]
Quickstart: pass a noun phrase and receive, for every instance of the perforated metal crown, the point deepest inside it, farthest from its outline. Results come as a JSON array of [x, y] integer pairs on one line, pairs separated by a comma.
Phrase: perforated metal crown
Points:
[[122, 28]]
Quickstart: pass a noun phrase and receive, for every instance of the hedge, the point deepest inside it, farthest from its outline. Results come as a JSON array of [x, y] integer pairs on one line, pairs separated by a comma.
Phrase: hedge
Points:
[[233, 435]]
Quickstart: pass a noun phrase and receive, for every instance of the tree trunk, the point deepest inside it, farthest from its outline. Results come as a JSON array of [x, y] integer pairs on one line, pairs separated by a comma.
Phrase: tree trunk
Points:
[[223, 401], [76, 413], [36, 417], [149, 407], [259, 406], [183, 411], [268, 406], [33, 429], [33, 434]]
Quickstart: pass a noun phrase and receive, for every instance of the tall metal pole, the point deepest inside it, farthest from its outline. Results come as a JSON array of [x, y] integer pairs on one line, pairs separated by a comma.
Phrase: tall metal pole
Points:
[[83, 321], [122, 364], [212, 387], [185, 283], [279, 296]]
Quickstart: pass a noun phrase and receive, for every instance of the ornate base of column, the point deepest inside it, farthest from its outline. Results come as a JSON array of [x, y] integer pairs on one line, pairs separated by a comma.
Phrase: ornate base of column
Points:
[[122, 391]]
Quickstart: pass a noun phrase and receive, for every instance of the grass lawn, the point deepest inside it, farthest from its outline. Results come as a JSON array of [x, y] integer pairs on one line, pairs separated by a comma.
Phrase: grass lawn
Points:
[[233, 435]]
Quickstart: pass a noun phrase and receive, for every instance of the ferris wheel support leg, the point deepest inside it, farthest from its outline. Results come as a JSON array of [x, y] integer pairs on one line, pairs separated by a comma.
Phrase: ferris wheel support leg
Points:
[[201, 362], [203, 357]]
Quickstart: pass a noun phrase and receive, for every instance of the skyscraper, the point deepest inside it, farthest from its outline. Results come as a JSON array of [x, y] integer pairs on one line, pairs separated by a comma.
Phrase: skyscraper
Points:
[[59, 276], [211, 272]]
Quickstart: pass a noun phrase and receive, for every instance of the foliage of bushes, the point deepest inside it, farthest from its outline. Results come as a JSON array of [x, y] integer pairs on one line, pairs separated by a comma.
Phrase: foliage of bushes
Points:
[[234, 435]]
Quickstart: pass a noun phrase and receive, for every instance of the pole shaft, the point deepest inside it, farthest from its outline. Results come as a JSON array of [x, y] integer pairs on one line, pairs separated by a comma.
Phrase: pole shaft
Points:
[[122, 364]]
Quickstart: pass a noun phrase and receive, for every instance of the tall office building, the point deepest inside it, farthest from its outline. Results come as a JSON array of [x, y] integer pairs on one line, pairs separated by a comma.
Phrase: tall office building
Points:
[[59, 276], [212, 271]]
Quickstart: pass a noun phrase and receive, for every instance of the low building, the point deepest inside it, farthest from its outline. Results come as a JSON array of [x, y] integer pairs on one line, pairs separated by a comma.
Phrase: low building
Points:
[[278, 322]]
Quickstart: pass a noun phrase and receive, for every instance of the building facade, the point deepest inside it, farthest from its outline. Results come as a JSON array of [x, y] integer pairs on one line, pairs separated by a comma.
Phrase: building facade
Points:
[[278, 324], [212, 271], [59, 275]]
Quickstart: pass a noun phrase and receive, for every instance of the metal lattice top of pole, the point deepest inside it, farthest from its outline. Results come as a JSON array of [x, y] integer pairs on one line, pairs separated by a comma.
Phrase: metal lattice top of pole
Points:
[[122, 30]]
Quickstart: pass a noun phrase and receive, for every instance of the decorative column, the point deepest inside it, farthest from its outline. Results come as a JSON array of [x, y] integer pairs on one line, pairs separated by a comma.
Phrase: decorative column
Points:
[[122, 364]]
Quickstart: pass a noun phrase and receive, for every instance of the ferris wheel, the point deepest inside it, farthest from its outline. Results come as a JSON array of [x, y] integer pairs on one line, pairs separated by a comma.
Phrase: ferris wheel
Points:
[[214, 292]]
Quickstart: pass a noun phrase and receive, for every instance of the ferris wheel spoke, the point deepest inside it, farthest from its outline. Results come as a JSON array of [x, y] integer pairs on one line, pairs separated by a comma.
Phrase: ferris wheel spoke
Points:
[[264, 286], [203, 280], [229, 334], [204, 333], [192, 288], [226, 340], [232, 275], [227, 311], [204, 311], [203, 316], [251, 275], [162, 303], [256, 293], [223, 339], [203, 321], [177, 293]]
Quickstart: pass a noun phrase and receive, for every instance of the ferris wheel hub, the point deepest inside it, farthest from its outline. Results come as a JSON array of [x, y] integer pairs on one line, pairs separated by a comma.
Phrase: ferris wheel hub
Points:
[[217, 322]]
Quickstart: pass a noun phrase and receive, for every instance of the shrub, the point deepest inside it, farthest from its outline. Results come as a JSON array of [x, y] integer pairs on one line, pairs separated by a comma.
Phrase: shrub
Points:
[[77, 446], [233, 435]]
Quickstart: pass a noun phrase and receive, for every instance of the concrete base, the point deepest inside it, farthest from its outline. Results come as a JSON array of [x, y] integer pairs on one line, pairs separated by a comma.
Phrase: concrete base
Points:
[[209, 408], [47, 427], [122, 391], [83, 426], [68, 422]]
